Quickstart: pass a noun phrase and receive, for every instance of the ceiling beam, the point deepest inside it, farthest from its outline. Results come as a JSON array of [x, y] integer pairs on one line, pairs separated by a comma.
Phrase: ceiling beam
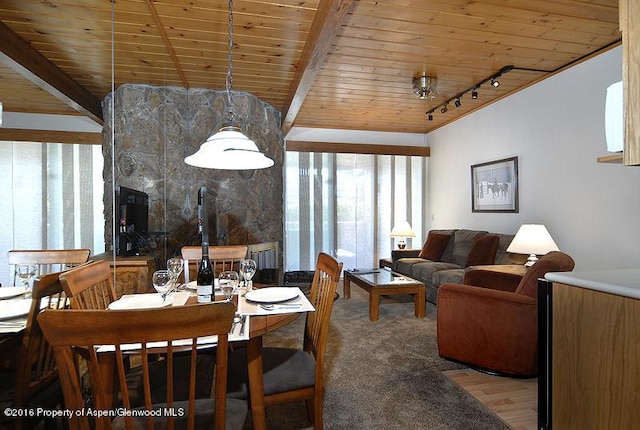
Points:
[[49, 136], [358, 148], [326, 24], [20, 56]]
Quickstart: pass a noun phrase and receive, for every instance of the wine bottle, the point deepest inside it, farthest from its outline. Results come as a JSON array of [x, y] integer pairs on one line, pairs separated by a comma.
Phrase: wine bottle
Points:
[[204, 284]]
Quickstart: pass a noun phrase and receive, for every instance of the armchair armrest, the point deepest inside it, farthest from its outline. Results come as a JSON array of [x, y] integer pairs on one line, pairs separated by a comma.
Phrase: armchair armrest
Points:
[[396, 254], [505, 279]]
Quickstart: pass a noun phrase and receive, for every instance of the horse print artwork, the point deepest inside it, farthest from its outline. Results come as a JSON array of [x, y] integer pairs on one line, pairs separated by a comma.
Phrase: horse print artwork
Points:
[[495, 186]]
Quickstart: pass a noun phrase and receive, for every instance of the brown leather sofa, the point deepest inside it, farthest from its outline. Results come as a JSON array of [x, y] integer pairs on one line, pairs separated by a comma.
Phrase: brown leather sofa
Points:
[[491, 322]]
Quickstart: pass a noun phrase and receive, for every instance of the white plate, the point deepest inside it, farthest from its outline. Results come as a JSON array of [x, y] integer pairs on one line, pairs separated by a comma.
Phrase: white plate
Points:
[[140, 301], [14, 308], [193, 285], [8, 292], [272, 295]]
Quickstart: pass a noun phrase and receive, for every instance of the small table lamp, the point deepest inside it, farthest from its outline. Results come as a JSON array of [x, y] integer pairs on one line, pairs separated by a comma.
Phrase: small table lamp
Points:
[[402, 230], [532, 239]]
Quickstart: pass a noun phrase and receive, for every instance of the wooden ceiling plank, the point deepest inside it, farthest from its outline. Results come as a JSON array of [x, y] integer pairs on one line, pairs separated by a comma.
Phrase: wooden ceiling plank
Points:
[[24, 59], [167, 43], [357, 148], [327, 21]]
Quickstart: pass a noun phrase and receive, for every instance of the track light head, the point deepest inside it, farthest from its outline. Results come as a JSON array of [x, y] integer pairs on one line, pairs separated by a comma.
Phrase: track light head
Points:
[[444, 109], [458, 103], [495, 83], [430, 116], [474, 94]]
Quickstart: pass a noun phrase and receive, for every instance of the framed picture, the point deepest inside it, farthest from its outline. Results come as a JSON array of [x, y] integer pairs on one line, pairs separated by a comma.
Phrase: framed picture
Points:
[[494, 186]]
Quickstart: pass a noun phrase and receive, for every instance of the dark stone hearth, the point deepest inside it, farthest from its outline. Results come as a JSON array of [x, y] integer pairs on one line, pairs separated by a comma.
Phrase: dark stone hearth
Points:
[[155, 128]]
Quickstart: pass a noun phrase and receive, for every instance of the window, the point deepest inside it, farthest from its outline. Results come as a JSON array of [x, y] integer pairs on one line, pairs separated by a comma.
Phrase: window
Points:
[[51, 198], [346, 205]]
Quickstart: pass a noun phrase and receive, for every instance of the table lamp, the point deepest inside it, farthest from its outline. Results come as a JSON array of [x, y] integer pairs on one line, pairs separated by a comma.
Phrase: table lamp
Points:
[[402, 230], [532, 239]]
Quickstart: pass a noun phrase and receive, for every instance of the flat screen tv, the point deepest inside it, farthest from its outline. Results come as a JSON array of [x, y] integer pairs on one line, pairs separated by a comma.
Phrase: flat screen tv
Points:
[[133, 221]]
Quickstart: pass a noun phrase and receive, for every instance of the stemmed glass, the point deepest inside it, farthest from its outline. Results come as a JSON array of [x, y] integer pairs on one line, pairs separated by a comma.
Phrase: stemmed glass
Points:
[[247, 270], [163, 283], [175, 266], [26, 272], [228, 282]]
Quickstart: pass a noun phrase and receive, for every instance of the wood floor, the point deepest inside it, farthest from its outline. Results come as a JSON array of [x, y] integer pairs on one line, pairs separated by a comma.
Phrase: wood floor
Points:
[[513, 400]]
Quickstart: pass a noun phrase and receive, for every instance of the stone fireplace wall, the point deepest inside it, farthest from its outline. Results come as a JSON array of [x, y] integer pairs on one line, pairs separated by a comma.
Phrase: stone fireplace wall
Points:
[[154, 128]]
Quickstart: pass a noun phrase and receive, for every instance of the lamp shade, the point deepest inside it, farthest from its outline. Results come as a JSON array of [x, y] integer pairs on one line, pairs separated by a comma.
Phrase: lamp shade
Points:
[[402, 229], [532, 239], [229, 149]]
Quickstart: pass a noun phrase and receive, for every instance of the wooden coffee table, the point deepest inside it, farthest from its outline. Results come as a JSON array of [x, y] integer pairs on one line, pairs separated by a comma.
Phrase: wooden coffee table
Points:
[[383, 281]]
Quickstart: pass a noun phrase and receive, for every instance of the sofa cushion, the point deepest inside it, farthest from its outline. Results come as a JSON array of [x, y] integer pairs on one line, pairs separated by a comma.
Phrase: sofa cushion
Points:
[[434, 246], [483, 250], [403, 265], [425, 270], [449, 276], [462, 243]]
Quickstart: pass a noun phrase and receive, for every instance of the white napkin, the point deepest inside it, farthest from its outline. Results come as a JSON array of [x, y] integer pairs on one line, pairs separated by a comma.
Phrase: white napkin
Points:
[[250, 308]]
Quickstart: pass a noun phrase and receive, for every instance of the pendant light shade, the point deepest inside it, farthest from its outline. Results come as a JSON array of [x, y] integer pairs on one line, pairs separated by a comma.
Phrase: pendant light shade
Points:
[[229, 148]]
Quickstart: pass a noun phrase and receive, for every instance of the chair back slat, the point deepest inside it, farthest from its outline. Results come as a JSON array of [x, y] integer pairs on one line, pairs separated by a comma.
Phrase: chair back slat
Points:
[[89, 286], [91, 330], [37, 368], [47, 260], [224, 257], [323, 289]]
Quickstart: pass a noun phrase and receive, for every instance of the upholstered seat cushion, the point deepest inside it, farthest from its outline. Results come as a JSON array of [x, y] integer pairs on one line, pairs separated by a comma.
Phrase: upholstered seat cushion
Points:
[[425, 270], [236, 414], [284, 369], [404, 265]]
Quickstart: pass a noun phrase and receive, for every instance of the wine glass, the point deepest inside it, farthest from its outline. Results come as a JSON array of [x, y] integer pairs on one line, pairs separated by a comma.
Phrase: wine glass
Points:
[[26, 272], [162, 282], [174, 266], [228, 282], [247, 270]]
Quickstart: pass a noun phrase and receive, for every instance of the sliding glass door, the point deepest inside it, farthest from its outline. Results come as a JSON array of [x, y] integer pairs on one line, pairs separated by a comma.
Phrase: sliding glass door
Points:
[[346, 205]]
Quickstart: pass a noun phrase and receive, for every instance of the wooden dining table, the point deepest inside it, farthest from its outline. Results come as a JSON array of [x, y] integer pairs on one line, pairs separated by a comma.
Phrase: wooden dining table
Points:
[[259, 325]]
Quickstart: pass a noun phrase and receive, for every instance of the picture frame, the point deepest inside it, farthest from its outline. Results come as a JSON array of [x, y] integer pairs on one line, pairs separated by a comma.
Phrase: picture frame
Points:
[[494, 186]]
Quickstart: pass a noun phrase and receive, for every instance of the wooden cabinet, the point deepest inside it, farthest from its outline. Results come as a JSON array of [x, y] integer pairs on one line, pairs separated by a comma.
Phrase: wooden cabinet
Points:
[[630, 27], [595, 359], [132, 274]]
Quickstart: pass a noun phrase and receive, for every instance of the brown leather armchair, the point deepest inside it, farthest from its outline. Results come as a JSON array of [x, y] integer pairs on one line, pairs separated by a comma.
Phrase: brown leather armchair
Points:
[[495, 330]]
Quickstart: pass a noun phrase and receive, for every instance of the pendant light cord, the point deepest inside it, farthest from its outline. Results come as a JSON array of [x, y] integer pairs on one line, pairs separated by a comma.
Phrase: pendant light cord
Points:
[[229, 80]]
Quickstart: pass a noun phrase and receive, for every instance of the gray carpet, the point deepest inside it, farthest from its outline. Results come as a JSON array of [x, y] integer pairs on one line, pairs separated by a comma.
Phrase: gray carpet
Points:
[[383, 375]]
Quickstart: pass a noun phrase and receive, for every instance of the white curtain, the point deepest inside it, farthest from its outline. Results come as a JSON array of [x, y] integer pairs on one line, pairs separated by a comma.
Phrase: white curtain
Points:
[[51, 198], [346, 205]]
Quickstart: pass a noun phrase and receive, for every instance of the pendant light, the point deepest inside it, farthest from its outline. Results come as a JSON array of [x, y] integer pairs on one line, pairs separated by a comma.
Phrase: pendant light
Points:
[[229, 148]]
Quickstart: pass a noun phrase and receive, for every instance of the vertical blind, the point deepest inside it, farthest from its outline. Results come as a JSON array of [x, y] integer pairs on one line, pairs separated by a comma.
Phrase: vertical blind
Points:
[[51, 198], [346, 205]]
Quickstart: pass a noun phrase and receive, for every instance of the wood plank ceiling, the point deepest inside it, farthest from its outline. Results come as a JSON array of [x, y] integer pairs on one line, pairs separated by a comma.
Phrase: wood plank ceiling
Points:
[[344, 64]]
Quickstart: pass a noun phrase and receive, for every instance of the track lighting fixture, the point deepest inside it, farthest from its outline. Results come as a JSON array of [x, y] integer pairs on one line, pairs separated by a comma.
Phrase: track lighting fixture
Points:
[[421, 82]]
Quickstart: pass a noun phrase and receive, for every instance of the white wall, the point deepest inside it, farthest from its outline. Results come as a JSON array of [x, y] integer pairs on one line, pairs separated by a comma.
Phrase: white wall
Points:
[[556, 128]]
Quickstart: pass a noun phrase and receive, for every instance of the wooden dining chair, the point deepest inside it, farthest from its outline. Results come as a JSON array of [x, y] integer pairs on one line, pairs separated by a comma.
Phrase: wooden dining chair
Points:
[[292, 374], [48, 260], [90, 286], [35, 380], [223, 257], [106, 337]]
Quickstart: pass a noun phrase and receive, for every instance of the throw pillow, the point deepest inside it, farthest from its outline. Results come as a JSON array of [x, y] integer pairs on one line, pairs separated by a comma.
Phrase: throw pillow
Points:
[[483, 250], [434, 246]]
